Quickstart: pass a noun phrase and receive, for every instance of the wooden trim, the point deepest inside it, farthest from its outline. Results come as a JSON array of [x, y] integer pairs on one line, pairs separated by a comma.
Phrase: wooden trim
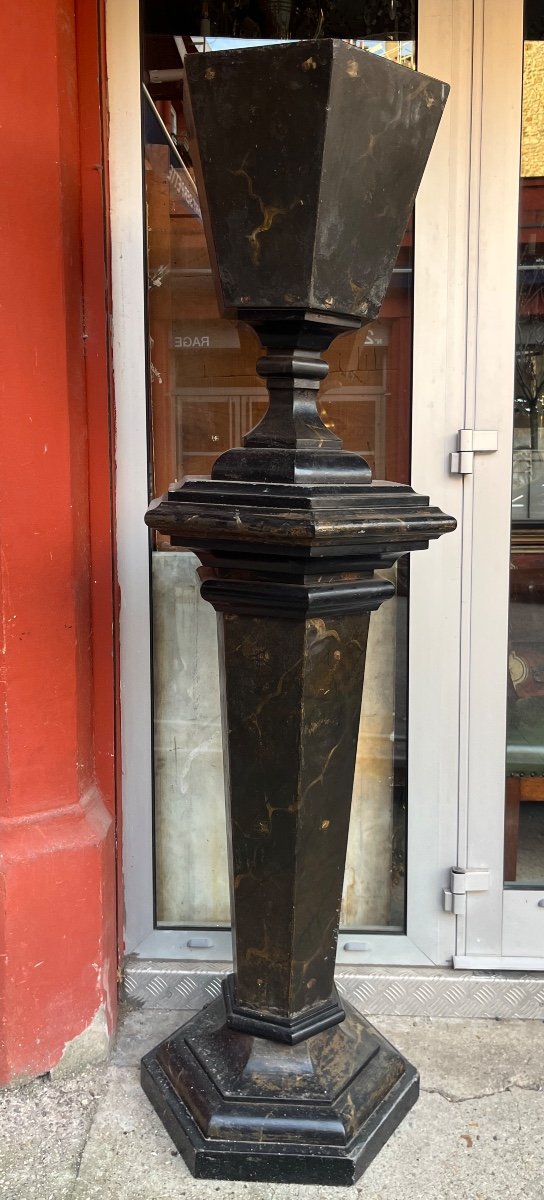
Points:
[[532, 788], [511, 827]]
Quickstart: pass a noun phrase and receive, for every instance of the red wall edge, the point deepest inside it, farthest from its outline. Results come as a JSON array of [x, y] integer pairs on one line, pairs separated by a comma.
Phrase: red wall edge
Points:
[[58, 952]]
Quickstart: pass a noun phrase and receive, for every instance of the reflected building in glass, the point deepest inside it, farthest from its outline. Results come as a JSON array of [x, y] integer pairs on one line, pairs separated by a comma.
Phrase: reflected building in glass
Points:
[[524, 827], [205, 395]]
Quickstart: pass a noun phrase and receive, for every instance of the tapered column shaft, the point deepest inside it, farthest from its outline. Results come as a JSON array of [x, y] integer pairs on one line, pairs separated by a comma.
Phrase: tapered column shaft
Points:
[[292, 697]]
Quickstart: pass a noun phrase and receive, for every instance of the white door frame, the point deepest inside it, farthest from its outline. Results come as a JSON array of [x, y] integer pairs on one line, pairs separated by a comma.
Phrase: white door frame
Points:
[[129, 366], [445, 47]]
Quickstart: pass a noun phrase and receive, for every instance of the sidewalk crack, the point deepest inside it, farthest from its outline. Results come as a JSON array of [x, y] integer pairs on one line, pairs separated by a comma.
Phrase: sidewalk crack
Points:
[[81, 1152], [512, 1087]]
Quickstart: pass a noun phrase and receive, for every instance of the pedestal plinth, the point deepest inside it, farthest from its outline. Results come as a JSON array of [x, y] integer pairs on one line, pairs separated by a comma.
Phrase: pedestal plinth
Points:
[[243, 1107]]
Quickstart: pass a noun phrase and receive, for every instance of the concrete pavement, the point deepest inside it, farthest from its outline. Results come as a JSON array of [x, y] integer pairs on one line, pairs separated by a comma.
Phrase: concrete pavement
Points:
[[477, 1132]]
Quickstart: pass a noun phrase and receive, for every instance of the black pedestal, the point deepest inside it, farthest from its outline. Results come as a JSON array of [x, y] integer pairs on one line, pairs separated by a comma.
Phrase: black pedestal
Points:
[[243, 1107], [307, 160]]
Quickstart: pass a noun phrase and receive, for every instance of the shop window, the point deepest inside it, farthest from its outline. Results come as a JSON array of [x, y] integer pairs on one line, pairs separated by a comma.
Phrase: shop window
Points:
[[524, 831], [204, 395]]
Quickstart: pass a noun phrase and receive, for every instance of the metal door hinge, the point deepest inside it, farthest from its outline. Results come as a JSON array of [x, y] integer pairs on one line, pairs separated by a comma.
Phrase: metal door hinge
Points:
[[469, 443], [462, 881]]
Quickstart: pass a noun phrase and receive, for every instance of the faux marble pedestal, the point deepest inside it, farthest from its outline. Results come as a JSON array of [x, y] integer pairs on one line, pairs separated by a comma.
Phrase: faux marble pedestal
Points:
[[307, 158]]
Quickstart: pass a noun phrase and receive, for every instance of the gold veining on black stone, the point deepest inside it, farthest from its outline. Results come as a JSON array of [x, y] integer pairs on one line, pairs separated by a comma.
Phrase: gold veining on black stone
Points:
[[268, 214], [277, 1080]]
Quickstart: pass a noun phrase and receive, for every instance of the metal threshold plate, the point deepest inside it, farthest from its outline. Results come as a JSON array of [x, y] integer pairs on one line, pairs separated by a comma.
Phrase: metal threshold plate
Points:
[[375, 991]]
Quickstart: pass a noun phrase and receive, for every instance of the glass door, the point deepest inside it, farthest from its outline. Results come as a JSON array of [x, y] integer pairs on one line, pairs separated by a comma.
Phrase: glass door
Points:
[[205, 394], [505, 814], [393, 391], [523, 930]]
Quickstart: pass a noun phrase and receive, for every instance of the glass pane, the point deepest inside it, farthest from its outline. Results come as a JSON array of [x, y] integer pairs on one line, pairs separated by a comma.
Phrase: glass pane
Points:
[[205, 394], [524, 826]]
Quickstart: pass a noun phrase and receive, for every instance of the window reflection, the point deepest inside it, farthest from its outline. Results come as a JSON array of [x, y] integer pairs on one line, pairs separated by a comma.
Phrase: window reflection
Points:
[[524, 829], [393, 21], [205, 394]]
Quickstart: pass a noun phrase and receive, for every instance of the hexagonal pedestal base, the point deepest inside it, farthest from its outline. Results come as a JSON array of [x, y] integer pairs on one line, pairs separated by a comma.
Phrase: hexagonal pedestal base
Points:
[[243, 1107]]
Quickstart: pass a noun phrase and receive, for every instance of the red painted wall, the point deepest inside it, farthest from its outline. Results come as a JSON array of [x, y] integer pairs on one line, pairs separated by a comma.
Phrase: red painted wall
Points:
[[57, 650]]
